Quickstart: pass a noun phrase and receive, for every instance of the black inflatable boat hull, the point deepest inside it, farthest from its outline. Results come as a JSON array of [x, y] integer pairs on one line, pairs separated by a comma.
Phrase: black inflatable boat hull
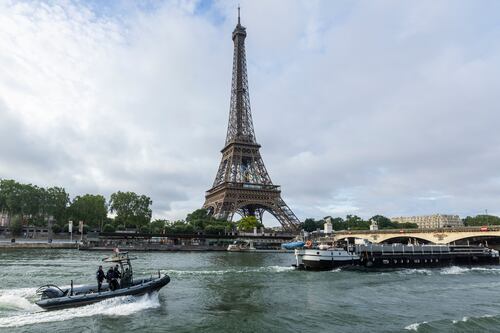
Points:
[[139, 287]]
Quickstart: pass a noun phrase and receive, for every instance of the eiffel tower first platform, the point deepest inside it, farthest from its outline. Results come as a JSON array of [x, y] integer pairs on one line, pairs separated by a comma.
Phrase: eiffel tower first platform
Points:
[[242, 184]]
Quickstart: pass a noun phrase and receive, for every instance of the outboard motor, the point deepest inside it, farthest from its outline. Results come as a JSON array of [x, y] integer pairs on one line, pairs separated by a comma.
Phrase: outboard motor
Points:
[[50, 291]]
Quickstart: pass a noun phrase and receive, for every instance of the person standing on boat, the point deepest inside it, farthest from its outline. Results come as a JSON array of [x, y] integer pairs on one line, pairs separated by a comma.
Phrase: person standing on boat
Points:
[[110, 277], [100, 277], [118, 275]]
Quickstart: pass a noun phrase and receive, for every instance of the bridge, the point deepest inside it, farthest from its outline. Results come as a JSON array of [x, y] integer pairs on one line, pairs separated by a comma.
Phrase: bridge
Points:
[[436, 236]]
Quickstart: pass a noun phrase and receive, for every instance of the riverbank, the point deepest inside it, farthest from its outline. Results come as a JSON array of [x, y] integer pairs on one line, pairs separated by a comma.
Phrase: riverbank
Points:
[[38, 245]]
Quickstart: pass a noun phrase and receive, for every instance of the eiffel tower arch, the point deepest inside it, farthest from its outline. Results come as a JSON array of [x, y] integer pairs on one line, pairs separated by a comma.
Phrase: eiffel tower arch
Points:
[[242, 184]]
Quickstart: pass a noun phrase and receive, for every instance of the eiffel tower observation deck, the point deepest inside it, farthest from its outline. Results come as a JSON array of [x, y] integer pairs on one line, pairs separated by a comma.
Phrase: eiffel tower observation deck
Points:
[[242, 184]]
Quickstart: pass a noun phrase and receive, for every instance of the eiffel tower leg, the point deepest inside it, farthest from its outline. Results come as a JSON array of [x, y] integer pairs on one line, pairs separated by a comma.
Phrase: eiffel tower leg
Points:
[[285, 216]]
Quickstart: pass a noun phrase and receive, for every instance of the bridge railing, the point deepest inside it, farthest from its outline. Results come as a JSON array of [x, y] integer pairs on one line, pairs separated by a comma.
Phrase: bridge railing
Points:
[[435, 230]]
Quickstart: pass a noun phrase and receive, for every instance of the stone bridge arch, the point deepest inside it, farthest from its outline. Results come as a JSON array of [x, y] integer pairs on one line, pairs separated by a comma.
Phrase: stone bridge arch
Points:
[[436, 237]]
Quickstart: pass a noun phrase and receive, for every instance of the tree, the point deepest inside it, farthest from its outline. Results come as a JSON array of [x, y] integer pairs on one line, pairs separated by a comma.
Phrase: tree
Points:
[[16, 225], [214, 229], [384, 222], [198, 219], [179, 227], [158, 226], [108, 228], [248, 223], [10, 192], [131, 209], [56, 228], [479, 220], [144, 229], [309, 225], [356, 223], [56, 203], [89, 208]]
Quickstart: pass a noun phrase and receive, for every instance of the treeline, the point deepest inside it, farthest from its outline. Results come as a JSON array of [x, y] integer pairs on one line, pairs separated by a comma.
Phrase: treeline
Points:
[[28, 204], [353, 222], [480, 220], [200, 221]]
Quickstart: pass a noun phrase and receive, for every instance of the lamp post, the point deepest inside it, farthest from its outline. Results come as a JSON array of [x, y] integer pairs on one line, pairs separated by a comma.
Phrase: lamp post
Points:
[[80, 227], [70, 229]]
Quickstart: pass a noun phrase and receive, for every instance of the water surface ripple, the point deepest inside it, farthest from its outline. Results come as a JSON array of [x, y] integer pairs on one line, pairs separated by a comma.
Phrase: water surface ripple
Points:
[[244, 292]]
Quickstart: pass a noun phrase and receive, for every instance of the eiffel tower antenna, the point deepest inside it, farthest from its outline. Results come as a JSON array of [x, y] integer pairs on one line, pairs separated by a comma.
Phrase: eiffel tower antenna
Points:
[[242, 184]]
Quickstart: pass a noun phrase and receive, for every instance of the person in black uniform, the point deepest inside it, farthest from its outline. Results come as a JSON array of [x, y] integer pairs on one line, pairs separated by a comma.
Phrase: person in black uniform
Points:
[[110, 277], [100, 277], [118, 275]]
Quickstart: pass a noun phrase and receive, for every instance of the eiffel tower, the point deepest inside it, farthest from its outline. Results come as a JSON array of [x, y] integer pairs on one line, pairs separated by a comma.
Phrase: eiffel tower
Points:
[[242, 184]]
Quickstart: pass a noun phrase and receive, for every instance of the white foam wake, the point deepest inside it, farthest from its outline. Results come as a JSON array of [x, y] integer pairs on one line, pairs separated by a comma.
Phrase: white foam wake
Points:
[[18, 299], [414, 326], [456, 270], [267, 269], [411, 271], [118, 306]]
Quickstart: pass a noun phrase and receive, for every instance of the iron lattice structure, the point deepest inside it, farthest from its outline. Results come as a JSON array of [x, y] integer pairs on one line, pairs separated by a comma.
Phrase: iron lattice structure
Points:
[[242, 184]]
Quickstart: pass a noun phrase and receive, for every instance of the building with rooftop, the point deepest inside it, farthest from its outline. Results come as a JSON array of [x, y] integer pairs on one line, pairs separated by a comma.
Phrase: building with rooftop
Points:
[[431, 221]]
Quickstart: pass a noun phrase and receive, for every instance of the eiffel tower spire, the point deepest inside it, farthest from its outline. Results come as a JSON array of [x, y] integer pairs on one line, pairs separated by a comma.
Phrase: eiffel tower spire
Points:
[[242, 184], [240, 127]]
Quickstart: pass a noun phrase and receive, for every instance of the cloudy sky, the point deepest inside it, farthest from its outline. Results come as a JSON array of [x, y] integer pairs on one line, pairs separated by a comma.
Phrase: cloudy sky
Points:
[[361, 107]]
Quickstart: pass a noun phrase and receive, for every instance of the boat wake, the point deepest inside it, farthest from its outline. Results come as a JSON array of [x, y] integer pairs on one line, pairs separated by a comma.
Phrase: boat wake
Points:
[[17, 299], [414, 326], [267, 269], [481, 323], [418, 271], [451, 270], [456, 270], [118, 306]]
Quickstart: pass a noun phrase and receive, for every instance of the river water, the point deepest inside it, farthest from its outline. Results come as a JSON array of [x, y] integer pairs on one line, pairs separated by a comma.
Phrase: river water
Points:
[[251, 292]]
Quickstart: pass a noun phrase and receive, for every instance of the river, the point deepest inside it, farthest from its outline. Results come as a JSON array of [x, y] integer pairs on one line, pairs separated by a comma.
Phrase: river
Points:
[[245, 292]]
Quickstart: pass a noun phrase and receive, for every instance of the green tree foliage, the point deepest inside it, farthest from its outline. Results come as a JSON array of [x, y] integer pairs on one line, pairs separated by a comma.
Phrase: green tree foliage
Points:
[[91, 209], [215, 229], [199, 219], [16, 225], [158, 226], [311, 224], [480, 220], [56, 202], [108, 228], [34, 204], [179, 227], [56, 229], [144, 229], [202, 222], [386, 223], [355, 222], [248, 223], [383, 222], [132, 210]]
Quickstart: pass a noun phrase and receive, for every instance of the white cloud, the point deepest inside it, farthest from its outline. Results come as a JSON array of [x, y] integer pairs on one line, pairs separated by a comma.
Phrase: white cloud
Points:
[[360, 107]]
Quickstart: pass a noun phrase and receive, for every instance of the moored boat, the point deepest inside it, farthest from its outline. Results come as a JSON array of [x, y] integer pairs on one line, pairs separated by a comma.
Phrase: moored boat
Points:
[[241, 246], [53, 297]]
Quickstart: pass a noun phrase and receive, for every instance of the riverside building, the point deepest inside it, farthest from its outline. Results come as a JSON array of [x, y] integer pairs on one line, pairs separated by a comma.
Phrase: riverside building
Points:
[[431, 221]]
